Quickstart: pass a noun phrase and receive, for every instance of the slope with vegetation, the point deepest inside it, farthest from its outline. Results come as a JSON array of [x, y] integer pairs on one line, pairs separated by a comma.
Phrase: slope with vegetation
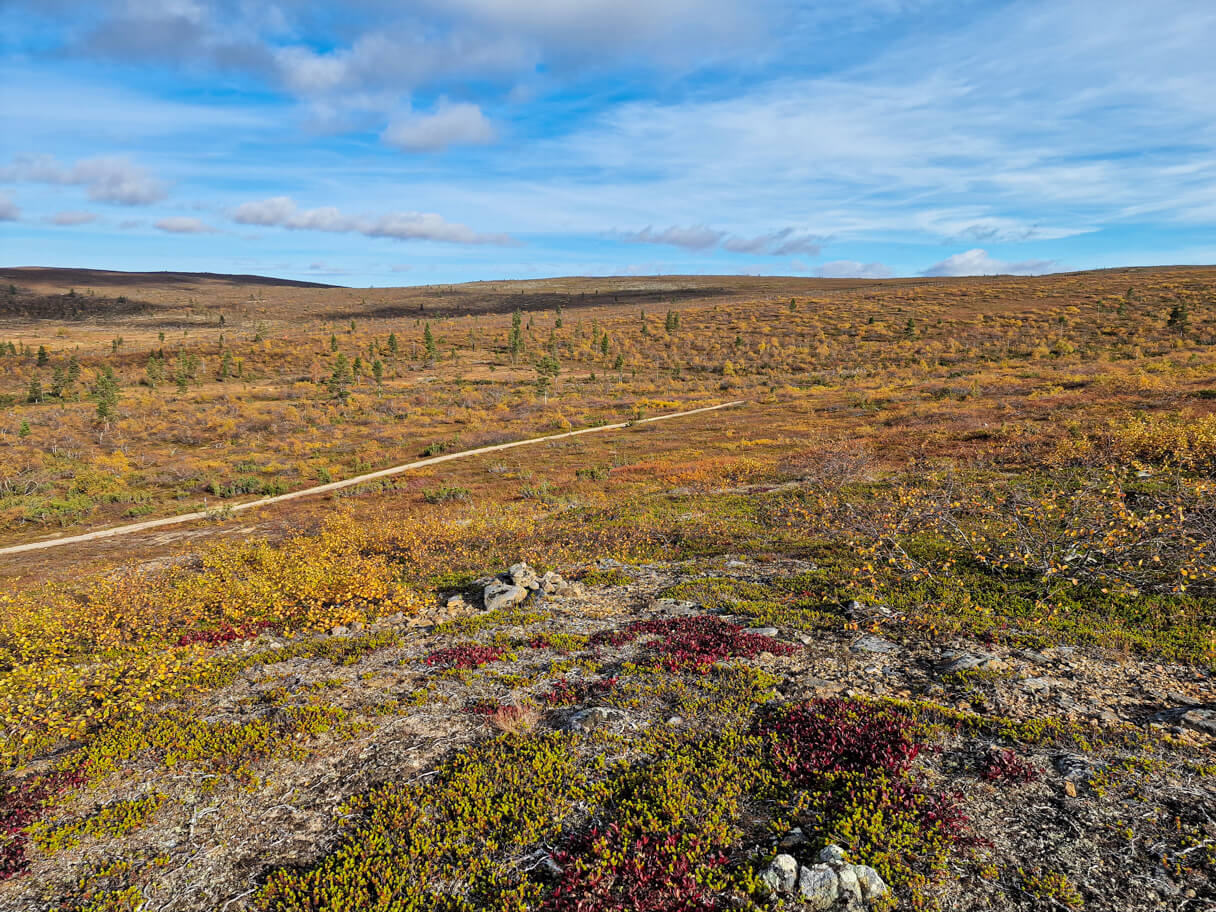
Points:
[[942, 594]]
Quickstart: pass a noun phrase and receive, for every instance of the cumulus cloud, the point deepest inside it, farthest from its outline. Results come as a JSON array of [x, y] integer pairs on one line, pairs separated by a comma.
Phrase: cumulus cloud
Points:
[[69, 218], [282, 212], [110, 179], [978, 262], [450, 124], [852, 269], [9, 211], [184, 225]]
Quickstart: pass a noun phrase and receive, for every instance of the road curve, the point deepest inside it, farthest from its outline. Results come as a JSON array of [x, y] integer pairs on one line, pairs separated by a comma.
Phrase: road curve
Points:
[[347, 483]]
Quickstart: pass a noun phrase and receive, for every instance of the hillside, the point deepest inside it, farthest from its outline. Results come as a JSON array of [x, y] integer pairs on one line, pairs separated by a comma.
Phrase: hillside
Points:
[[927, 621]]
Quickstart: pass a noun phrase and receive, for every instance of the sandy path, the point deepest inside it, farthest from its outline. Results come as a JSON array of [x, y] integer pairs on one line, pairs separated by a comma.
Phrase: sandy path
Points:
[[339, 485]]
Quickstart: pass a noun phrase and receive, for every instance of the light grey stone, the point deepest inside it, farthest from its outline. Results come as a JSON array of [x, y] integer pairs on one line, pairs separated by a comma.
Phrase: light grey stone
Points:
[[849, 884], [876, 644], [780, 875], [831, 854], [872, 885], [819, 886], [593, 717], [499, 595]]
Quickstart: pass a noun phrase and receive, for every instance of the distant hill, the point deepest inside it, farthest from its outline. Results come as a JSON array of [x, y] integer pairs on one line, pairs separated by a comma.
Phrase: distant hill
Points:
[[72, 278]]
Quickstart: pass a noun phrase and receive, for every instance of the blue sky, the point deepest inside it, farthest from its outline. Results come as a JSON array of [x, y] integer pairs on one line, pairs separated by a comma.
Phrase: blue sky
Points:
[[381, 142]]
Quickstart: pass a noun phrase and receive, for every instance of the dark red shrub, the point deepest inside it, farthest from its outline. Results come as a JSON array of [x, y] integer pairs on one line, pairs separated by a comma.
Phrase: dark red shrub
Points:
[[1006, 766], [468, 655], [225, 633], [23, 804], [809, 739], [697, 641], [607, 872]]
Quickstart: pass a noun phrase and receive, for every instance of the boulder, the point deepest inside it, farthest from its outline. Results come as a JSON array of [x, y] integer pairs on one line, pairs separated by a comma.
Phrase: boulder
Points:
[[831, 854], [524, 576], [781, 875], [872, 885], [819, 887], [499, 595]]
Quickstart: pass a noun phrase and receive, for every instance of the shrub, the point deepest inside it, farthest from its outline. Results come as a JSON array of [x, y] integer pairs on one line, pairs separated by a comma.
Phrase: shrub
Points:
[[697, 641]]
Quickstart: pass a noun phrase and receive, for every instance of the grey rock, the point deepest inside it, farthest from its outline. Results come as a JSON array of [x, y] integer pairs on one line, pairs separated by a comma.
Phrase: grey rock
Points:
[[872, 885], [794, 837], [875, 644], [1200, 720], [849, 884], [456, 603], [339, 631], [1037, 685], [1075, 767], [956, 661], [831, 854], [523, 575], [608, 563], [780, 875], [551, 583], [499, 595], [819, 886], [593, 717], [763, 631], [674, 606]]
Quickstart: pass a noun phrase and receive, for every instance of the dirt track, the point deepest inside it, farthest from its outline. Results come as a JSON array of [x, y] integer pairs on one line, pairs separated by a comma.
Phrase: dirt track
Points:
[[338, 485]]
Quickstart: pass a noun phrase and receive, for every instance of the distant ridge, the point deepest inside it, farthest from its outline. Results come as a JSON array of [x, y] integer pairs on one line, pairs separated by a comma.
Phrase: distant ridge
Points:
[[101, 277]]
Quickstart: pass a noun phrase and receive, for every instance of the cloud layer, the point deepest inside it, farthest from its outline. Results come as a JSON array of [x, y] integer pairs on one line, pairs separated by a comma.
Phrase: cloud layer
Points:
[[977, 262], [784, 242], [108, 179], [282, 212]]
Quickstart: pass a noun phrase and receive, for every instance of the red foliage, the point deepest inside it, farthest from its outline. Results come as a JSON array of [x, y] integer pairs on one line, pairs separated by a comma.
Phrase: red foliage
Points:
[[833, 735], [607, 872], [468, 655], [1006, 766], [567, 692], [699, 641], [225, 633], [23, 804]]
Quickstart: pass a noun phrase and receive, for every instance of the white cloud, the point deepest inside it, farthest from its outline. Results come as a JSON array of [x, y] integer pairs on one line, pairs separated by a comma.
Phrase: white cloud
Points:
[[282, 212], [785, 242], [184, 225], [695, 237], [9, 211], [110, 179], [69, 218], [852, 269], [978, 262], [450, 124]]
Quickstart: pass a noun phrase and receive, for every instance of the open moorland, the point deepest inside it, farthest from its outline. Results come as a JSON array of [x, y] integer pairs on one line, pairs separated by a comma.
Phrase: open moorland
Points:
[[926, 621]]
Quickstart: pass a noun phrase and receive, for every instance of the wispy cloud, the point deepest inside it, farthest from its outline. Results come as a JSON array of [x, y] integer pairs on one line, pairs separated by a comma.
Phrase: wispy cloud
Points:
[[111, 179], [69, 218], [9, 211], [851, 269], [978, 262], [282, 212], [785, 242], [184, 225]]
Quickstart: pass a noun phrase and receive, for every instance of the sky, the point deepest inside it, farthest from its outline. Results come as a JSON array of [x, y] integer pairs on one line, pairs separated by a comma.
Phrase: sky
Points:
[[413, 142]]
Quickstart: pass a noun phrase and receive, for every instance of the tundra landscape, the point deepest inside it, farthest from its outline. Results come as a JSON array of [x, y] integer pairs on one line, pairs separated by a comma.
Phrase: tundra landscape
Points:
[[924, 618]]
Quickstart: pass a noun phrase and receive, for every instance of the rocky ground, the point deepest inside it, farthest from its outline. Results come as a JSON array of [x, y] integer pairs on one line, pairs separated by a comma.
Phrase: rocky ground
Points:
[[1081, 779]]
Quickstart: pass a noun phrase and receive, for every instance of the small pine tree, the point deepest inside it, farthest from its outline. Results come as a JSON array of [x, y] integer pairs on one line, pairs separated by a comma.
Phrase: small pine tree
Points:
[[378, 371], [428, 342], [34, 393], [393, 346], [1179, 317], [333, 342], [43, 358], [106, 393], [24, 430]]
